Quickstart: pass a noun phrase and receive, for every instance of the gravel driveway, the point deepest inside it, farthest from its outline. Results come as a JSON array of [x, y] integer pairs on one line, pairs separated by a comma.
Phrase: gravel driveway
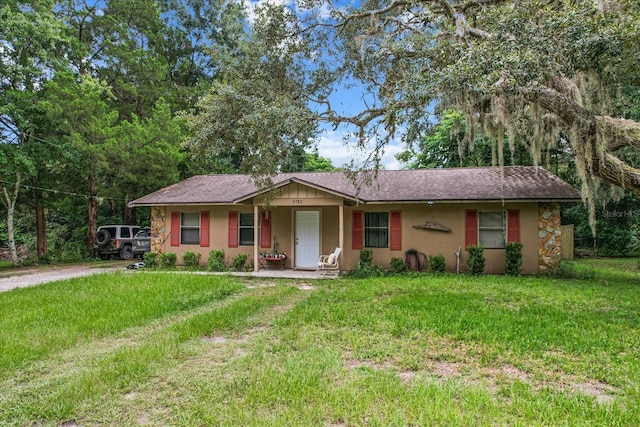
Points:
[[38, 277]]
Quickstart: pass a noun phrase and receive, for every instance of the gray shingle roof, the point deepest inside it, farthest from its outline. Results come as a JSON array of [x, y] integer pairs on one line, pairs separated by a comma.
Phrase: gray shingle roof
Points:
[[458, 184]]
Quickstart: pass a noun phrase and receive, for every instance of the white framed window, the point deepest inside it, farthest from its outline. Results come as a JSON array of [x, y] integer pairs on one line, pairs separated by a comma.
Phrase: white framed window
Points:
[[245, 229], [190, 228], [492, 229], [376, 229]]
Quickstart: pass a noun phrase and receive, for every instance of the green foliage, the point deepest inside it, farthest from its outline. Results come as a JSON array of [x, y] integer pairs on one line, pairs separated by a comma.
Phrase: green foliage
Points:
[[573, 270], [216, 261], [314, 162], [616, 227], [365, 267], [398, 265], [239, 262], [366, 258], [167, 260], [437, 263], [476, 261], [513, 259], [151, 259], [259, 114], [443, 146], [191, 259]]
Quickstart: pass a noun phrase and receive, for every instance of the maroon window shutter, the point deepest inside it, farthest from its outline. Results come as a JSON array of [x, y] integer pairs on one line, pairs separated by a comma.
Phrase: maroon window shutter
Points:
[[513, 225], [471, 228], [233, 229], [357, 230], [395, 231], [265, 229], [175, 228], [204, 229]]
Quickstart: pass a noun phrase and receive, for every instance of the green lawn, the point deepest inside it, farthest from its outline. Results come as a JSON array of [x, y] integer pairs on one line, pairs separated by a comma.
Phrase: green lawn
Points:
[[181, 349]]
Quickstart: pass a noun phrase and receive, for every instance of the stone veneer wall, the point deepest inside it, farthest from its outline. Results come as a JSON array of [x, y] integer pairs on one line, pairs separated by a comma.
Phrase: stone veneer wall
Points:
[[158, 230], [548, 237]]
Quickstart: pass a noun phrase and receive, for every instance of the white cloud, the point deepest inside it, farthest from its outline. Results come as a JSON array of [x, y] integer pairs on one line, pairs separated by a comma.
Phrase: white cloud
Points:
[[250, 6], [332, 145]]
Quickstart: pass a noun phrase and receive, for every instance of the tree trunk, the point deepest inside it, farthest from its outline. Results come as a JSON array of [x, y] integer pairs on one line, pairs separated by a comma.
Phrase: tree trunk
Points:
[[41, 225], [92, 213], [10, 202]]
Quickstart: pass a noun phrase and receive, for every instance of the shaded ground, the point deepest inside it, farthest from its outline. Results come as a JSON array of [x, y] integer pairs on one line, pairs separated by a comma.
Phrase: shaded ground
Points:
[[22, 278]]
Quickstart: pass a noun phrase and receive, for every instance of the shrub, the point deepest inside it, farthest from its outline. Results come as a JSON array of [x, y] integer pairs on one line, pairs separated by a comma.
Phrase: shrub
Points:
[[398, 265], [366, 258], [437, 263], [216, 261], [476, 260], [150, 259], [365, 267], [239, 262], [513, 259], [167, 260], [191, 259]]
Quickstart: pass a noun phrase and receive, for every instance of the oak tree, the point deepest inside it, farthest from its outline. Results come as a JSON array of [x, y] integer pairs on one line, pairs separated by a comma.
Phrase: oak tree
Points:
[[531, 72]]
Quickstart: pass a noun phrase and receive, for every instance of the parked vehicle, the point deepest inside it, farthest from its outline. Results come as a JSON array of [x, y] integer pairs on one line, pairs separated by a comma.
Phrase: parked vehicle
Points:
[[115, 240], [142, 242]]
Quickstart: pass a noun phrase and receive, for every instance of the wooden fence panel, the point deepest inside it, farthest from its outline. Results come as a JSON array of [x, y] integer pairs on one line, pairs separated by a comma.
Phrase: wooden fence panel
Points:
[[566, 241]]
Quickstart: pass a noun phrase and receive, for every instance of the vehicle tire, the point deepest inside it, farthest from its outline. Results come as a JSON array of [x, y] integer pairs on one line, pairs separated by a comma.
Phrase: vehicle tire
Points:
[[103, 237], [126, 253]]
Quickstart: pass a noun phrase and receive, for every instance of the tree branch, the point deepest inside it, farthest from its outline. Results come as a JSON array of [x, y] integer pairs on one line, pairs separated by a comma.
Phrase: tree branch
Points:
[[617, 132], [620, 132]]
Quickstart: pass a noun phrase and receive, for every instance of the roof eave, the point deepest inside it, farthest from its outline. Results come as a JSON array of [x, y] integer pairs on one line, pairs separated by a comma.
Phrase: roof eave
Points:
[[150, 204], [533, 200]]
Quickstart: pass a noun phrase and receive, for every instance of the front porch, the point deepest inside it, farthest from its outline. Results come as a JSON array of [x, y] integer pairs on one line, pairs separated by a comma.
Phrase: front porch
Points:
[[294, 230]]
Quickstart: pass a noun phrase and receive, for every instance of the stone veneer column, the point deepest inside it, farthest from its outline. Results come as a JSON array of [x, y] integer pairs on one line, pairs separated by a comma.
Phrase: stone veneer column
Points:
[[548, 237], [158, 229]]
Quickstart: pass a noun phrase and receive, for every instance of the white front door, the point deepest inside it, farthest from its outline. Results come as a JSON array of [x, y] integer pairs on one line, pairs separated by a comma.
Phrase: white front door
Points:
[[307, 239]]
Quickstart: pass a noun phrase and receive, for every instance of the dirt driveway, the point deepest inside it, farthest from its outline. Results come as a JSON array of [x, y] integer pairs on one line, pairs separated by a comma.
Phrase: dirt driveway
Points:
[[32, 277]]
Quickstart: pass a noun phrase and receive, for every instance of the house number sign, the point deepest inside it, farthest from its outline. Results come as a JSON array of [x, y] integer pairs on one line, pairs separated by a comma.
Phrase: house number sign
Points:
[[296, 201]]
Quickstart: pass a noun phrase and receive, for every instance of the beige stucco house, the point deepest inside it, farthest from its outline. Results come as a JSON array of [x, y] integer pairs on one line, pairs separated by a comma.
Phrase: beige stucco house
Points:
[[305, 215]]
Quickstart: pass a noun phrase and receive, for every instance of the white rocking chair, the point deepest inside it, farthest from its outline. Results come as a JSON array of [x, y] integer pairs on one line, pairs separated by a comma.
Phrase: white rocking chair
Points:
[[329, 262]]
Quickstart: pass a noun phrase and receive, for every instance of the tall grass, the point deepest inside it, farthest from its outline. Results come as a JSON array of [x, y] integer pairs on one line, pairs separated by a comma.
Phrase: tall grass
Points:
[[419, 350], [38, 321]]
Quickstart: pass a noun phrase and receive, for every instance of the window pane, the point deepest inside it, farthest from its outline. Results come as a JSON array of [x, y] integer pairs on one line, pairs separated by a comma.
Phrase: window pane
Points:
[[124, 232], [376, 219], [492, 239], [376, 229], [491, 219], [190, 236], [376, 238], [246, 219], [190, 219], [246, 236], [111, 230]]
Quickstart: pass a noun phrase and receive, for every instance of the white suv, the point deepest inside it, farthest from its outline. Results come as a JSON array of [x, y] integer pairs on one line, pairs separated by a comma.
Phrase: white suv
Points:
[[115, 240]]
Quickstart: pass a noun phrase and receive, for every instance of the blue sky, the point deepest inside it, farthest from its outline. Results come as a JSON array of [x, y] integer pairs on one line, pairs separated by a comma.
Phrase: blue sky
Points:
[[332, 143]]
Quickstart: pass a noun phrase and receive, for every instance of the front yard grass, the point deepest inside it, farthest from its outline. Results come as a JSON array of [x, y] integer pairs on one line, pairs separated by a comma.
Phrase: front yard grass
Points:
[[182, 349]]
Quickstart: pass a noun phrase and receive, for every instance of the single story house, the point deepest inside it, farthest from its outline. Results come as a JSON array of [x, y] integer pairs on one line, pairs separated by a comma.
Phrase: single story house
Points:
[[308, 214]]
